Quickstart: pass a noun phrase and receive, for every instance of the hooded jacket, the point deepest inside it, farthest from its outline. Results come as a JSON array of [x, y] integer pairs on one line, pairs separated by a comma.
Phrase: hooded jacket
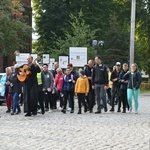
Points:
[[82, 85]]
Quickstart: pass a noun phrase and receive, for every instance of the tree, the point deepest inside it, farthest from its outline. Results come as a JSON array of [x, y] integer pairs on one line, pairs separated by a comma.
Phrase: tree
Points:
[[52, 19], [143, 35], [81, 36], [13, 27], [117, 44]]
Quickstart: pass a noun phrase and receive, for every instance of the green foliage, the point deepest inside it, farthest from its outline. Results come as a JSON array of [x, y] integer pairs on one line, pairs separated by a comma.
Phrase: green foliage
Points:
[[81, 36], [108, 19], [143, 35], [13, 27]]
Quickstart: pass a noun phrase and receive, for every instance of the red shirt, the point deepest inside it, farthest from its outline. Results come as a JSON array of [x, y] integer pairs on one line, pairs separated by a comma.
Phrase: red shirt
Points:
[[59, 81]]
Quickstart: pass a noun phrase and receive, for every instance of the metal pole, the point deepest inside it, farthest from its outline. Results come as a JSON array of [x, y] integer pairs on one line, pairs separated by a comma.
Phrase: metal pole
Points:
[[132, 32]]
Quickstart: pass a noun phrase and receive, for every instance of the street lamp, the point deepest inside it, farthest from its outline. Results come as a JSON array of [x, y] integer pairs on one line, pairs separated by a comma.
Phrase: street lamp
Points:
[[132, 32], [97, 44]]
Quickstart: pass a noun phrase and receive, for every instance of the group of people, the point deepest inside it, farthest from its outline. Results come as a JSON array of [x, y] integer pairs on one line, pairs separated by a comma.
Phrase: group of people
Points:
[[93, 84]]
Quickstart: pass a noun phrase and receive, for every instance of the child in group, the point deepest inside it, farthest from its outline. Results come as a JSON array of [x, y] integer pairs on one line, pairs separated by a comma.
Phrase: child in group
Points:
[[81, 90]]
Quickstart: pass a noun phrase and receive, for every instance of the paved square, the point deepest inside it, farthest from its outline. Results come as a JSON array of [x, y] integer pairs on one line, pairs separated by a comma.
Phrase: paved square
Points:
[[58, 131]]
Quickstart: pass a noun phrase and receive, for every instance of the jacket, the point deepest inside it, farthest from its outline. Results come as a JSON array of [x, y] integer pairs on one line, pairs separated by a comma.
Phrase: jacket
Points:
[[48, 80], [135, 80], [3, 84], [123, 86], [100, 74], [40, 79], [88, 73], [59, 81], [68, 85], [82, 85], [115, 75], [17, 85]]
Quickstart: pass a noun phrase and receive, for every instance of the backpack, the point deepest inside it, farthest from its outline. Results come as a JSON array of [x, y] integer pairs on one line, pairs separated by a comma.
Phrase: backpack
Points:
[[66, 76]]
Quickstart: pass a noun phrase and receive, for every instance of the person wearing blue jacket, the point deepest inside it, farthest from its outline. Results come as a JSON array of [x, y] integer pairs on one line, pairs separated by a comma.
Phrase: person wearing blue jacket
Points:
[[68, 89], [133, 90], [4, 82]]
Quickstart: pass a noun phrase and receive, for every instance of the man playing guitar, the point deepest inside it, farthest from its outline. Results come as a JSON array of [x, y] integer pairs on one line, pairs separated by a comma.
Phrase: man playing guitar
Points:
[[30, 86]]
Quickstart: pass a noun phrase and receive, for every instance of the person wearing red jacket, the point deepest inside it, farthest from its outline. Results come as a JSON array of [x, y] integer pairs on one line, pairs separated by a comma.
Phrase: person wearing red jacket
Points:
[[59, 83]]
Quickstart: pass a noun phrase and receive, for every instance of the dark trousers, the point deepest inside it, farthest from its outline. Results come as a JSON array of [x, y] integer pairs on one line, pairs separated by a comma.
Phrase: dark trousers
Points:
[[81, 99], [60, 98], [123, 94], [54, 100], [32, 101], [71, 94], [8, 98], [115, 92], [109, 94], [100, 94], [91, 97], [48, 100], [41, 100]]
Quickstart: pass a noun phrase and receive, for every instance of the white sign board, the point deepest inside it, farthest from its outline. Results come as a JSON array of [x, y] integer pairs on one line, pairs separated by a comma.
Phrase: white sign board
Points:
[[78, 56], [63, 61], [21, 58], [51, 64], [45, 58]]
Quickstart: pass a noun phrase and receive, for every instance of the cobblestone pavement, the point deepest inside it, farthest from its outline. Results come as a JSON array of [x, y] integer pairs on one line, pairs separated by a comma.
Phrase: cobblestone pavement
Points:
[[58, 131]]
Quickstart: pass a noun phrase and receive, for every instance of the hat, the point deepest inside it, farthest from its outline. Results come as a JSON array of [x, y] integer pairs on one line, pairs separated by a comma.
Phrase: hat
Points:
[[70, 65], [82, 72], [118, 64]]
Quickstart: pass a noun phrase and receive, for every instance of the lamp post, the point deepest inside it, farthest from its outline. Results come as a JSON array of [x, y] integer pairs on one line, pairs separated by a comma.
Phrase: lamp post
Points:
[[97, 44], [132, 32]]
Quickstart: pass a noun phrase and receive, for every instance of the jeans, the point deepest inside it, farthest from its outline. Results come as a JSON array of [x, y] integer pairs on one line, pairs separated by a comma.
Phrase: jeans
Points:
[[15, 99], [133, 93], [100, 94], [66, 95]]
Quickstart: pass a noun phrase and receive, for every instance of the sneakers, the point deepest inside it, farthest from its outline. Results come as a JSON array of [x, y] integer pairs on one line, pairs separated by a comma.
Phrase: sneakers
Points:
[[18, 112], [91, 111], [8, 111], [63, 110], [98, 112], [130, 109], [50, 111], [12, 113], [60, 108], [118, 110], [111, 110], [105, 109], [28, 114], [79, 112], [69, 109], [124, 111], [136, 112], [72, 111]]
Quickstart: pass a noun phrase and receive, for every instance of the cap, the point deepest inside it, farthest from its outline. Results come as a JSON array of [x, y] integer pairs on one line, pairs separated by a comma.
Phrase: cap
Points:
[[70, 65], [82, 72], [118, 64]]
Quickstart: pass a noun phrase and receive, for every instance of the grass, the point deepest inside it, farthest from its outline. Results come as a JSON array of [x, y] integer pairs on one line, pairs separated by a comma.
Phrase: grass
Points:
[[142, 91]]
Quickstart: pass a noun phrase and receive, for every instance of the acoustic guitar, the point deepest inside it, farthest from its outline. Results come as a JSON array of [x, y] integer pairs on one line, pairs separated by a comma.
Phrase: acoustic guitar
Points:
[[24, 72]]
